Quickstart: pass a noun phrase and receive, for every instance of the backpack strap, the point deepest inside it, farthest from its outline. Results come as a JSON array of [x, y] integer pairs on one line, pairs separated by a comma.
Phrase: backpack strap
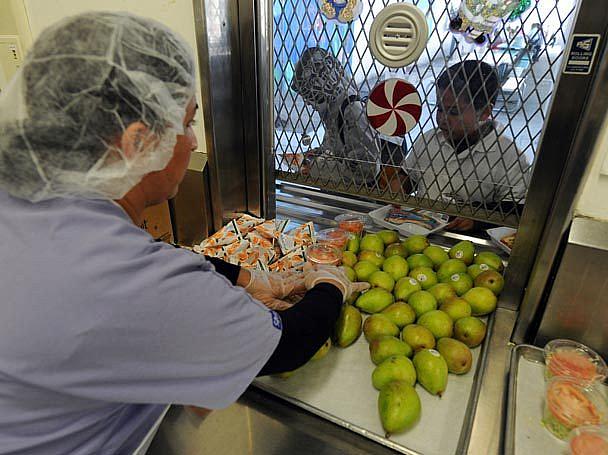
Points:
[[347, 101]]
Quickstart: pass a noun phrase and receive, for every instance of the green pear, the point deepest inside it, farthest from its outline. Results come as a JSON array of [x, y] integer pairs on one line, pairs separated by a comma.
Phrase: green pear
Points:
[[382, 348], [353, 243], [437, 255], [442, 292], [374, 300], [418, 337], [491, 259], [449, 268], [405, 287], [323, 350], [388, 236], [395, 249], [400, 313], [382, 280], [425, 276], [364, 270], [476, 269], [482, 301], [416, 244], [350, 273], [377, 326], [456, 308], [456, 354], [396, 266], [372, 242], [461, 282], [348, 327], [395, 368], [471, 331], [371, 256], [422, 302], [419, 260], [465, 251], [431, 370], [492, 280], [349, 258], [438, 322], [285, 375], [399, 407]]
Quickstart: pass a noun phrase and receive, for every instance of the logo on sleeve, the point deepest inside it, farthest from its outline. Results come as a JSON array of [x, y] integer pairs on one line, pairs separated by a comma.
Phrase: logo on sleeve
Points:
[[276, 320]]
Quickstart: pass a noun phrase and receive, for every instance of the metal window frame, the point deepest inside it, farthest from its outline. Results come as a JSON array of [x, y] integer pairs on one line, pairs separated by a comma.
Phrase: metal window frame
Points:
[[548, 182], [571, 130]]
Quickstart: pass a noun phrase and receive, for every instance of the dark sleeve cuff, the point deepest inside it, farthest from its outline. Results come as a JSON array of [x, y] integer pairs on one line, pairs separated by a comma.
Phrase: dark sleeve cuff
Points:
[[230, 271], [306, 327]]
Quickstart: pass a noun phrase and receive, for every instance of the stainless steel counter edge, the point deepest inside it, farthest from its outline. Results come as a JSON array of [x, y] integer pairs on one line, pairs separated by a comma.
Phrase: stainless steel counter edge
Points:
[[488, 422], [295, 427]]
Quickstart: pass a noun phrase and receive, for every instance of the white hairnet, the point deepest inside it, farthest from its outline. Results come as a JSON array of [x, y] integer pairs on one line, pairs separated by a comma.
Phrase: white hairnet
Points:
[[85, 80]]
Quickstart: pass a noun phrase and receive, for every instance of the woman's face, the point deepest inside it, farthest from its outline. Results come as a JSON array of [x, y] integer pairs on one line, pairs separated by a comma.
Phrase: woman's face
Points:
[[163, 185]]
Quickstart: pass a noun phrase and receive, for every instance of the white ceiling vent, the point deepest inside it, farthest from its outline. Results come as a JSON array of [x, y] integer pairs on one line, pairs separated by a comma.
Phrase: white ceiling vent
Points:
[[398, 35]]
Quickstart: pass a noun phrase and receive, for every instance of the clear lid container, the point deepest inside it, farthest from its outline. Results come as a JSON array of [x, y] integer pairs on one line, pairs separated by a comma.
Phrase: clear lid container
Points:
[[323, 255], [351, 222], [589, 440], [569, 358], [571, 403], [336, 237]]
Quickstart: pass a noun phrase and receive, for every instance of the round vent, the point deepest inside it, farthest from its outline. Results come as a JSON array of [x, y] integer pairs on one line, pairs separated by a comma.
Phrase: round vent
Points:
[[398, 35]]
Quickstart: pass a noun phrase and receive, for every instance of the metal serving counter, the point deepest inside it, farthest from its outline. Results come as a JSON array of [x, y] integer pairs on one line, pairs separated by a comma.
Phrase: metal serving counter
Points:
[[262, 424], [469, 419]]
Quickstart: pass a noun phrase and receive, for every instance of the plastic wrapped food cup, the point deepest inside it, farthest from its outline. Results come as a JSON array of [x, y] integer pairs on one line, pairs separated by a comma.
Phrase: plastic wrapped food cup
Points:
[[351, 222], [323, 255], [338, 238], [589, 440], [571, 403], [569, 358]]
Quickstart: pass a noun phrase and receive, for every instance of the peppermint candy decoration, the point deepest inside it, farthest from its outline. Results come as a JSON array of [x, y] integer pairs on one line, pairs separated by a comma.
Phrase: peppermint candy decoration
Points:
[[394, 107]]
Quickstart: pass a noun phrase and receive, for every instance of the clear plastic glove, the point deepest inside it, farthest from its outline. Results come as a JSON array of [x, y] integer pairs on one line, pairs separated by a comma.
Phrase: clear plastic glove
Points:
[[332, 275], [271, 287]]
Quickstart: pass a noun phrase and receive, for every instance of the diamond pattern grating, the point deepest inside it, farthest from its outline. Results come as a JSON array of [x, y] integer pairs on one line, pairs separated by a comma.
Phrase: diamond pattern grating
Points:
[[494, 189]]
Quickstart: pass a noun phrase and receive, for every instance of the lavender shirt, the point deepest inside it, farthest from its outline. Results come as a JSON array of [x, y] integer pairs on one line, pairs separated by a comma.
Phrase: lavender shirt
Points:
[[100, 326]]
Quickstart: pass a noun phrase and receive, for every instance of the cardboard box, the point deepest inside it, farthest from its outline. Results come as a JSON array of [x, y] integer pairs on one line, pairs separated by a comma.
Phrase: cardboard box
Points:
[[157, 221]]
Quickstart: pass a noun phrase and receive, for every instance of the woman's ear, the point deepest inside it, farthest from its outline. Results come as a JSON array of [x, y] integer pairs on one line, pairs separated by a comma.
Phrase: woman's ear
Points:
[[135, 139]]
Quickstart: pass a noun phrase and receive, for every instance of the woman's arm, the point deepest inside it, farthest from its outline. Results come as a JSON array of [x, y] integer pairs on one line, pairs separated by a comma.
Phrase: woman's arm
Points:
[[306, 326]]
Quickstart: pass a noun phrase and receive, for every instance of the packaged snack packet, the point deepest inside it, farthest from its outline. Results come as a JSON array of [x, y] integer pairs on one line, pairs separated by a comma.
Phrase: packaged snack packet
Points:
[[246, 223], [225, 236]]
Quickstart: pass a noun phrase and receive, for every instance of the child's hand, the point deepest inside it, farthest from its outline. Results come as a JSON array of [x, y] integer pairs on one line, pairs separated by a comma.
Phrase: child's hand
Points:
[[461, 224]]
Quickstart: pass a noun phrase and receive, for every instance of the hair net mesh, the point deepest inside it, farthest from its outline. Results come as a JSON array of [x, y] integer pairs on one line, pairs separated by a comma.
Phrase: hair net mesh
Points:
[[86, 79]]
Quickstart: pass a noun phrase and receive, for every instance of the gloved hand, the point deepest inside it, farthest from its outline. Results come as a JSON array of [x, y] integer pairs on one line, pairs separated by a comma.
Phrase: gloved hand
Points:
[[332, 275], [270, 287]]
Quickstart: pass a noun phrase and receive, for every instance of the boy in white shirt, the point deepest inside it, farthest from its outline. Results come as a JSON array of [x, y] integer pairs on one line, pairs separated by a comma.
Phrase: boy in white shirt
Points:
[[468, 159]]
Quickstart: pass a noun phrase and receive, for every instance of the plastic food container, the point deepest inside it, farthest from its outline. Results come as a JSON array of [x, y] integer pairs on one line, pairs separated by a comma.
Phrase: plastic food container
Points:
[[351, 222], [323, 255], [338, 238], [569, 358], [589, 440], [571, 403]]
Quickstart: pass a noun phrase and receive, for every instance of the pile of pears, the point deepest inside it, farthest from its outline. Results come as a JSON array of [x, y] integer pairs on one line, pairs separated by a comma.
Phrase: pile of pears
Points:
[[423, 308]]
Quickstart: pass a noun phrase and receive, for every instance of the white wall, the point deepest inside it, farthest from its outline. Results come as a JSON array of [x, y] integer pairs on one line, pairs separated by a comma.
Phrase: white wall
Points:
[[177, 14], [593, 200]]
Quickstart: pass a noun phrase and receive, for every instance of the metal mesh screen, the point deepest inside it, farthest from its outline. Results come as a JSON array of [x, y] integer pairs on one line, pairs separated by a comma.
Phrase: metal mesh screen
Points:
[[328, 143]]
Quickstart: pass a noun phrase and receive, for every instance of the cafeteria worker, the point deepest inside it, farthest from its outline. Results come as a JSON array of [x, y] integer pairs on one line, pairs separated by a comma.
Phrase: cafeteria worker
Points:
[[100, 326]]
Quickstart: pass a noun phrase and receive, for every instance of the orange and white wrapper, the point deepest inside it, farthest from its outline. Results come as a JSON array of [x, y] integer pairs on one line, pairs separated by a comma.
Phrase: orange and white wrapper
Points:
[[247, 223]]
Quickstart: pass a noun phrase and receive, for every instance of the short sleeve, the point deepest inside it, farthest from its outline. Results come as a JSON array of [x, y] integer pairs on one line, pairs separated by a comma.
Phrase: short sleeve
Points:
[[135, 321], [512, 170]]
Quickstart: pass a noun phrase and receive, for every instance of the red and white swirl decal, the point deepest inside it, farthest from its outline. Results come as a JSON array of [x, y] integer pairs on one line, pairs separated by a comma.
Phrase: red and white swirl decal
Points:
[[394, 107]]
